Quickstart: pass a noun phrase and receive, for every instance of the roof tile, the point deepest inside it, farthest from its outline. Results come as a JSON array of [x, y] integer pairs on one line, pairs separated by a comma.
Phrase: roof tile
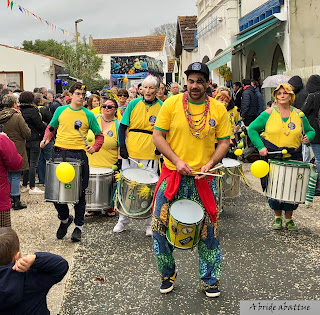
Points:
[[129, 44], [187, 28]]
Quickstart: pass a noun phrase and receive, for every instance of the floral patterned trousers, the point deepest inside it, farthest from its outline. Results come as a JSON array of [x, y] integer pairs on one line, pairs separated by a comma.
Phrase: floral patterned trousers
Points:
[[208, 246]]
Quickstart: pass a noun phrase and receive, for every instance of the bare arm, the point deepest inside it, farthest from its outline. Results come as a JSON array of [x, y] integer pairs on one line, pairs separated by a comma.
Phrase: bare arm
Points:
[[162, 145]]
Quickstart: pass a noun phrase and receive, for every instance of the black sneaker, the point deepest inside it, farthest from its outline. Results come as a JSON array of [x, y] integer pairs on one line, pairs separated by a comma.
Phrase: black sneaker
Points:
[[76, 235], [213, 292], [63, 228], [167, 284]]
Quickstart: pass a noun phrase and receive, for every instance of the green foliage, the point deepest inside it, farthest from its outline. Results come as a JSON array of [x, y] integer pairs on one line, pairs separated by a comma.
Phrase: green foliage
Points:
[[225, 72], [81, 61]]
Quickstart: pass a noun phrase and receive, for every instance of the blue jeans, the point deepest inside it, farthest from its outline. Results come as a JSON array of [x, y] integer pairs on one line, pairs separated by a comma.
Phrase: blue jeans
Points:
[[45, 155], [14, 180], [33, 151], [316, 152]]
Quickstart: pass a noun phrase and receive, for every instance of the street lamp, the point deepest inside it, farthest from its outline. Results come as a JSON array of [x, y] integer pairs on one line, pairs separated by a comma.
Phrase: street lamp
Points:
[[76, 28]]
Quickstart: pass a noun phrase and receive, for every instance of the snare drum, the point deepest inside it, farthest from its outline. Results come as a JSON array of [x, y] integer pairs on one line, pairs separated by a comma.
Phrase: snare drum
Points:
[[231, 178], [288, 181], [135, 192], [99, 191], [185, 221], [56, 191]]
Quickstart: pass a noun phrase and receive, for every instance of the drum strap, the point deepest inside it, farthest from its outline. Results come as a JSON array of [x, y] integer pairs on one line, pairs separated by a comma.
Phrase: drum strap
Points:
[[141, 130]]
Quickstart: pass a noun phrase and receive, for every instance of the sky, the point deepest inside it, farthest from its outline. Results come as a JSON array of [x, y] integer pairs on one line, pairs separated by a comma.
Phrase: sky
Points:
[[101, 18]]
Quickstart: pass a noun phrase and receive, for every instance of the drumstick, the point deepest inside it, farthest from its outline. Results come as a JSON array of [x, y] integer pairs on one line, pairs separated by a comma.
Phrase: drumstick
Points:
[[77, 125], [215, 168], [139, 164], [200, 173], [284, 151]]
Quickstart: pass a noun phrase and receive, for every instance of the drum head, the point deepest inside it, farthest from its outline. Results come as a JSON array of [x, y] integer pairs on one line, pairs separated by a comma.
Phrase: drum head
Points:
[[186, 211], [100, 170], [227, 162], [140, 176]]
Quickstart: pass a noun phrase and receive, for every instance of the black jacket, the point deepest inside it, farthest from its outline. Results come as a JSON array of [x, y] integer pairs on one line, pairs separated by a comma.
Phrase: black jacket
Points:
[[312, 105], [299, 91], [237, 96], [54, 105], [26, 292], [250, 102], [31, 115]]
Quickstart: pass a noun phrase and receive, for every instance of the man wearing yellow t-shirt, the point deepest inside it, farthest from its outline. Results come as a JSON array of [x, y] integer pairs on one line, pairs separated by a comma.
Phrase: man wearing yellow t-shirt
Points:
[[69, 144], [139, 119], [186, 130]]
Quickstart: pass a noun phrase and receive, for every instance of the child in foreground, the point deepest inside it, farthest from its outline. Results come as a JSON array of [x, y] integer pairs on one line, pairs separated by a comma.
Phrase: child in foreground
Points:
[[25, 281]]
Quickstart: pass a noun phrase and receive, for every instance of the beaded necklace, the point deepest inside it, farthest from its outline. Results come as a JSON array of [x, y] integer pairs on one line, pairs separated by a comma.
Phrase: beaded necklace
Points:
[[196, 124], [286, 133]]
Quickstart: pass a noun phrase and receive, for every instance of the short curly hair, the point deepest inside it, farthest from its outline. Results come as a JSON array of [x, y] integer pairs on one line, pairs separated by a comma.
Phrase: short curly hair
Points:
[[9, 100], [26, 97]]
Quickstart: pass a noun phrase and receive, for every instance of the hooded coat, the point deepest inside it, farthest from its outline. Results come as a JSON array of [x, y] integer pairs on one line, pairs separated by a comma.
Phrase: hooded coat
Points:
[[299, 91], [250, 102], [312, 105], [31, 115], [26, 292], [17, 130]]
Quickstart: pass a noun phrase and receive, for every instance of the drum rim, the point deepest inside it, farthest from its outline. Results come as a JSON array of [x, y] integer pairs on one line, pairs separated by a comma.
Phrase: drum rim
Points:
[[202, 208], [110, 172], [291, 163], [228, 159], [139, 170]]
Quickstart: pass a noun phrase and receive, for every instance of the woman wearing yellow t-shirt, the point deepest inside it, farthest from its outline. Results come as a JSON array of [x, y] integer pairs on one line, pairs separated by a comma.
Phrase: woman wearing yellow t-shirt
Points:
[[283, 129], [108, 154]]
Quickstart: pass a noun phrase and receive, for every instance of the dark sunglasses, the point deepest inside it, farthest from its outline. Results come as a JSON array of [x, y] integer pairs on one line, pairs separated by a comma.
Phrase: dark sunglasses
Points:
[[108, 106], [123, 95]]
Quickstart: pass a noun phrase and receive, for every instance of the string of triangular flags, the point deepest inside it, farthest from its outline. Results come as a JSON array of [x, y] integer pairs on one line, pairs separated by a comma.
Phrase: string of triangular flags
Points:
[[53, 27]]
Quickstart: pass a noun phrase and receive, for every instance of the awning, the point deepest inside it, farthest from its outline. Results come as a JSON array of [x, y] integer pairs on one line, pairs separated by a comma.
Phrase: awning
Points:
[[226, 54]]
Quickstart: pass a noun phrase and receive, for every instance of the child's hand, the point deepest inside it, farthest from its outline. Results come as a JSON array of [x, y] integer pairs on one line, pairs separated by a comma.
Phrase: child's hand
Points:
[[24, 263]]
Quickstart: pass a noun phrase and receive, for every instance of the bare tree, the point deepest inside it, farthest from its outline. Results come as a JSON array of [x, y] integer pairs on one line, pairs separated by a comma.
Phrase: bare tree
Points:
[[169, 29]]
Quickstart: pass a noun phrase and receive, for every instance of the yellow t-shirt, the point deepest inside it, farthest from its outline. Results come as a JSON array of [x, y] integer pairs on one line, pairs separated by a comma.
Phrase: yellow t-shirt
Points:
[[284, 134], [108, 154], [96, 110], [234, 118], [196, 152], [67, 136], [139, 115]]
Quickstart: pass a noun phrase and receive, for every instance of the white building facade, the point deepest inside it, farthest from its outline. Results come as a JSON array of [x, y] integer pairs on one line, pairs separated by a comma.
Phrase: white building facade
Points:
[[21, 69]]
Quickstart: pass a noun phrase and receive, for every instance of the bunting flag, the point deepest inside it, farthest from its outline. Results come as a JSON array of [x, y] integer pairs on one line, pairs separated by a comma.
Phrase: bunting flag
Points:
[[39, 18]]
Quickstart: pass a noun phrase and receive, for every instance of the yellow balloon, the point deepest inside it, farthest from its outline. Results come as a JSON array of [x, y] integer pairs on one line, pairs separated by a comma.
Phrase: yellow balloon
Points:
[[238, 152], [65, 172], [259, 168], [125, 80]]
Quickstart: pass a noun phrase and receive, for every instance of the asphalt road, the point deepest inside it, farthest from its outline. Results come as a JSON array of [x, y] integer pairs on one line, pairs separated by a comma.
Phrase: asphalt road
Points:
[[116, 273]]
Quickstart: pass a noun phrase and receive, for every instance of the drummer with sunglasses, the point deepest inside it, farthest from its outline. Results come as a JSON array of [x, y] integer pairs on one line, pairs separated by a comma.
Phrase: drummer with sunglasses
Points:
[[282, 129], [69, 144], [135, 137], [107, 156], [185, 133]]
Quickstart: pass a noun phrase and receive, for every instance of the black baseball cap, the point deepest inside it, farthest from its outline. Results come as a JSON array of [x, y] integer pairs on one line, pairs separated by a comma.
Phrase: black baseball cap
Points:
[[198, 67]]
